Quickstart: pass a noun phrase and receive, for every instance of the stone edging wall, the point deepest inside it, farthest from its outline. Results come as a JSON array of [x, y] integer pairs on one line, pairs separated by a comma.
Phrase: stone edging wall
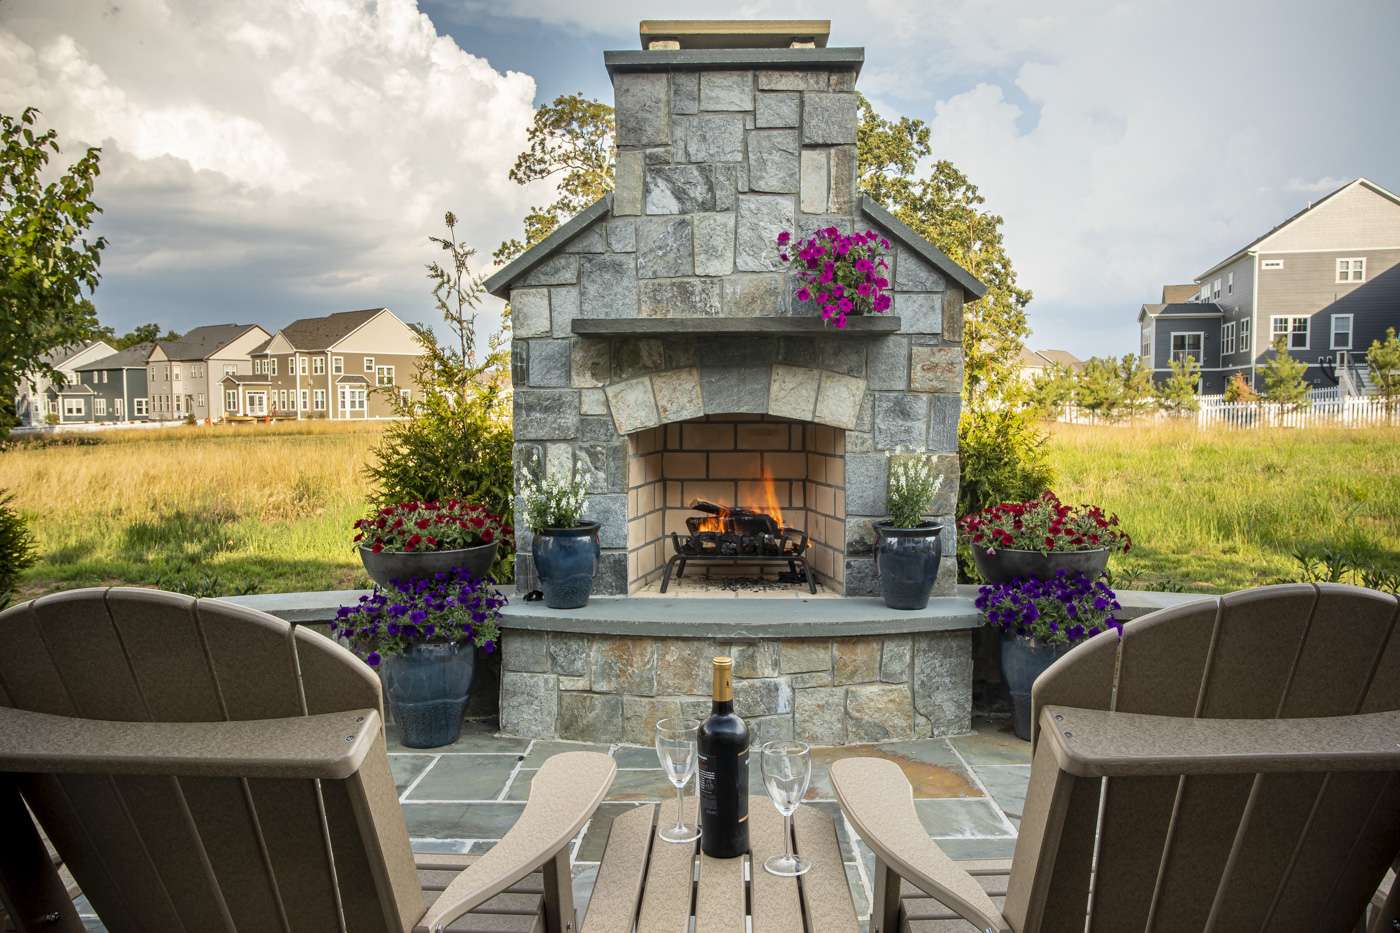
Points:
[[827, 691]]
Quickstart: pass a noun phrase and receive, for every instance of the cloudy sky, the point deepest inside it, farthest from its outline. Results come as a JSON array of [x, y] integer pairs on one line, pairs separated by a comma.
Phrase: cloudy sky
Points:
[[265, 160]]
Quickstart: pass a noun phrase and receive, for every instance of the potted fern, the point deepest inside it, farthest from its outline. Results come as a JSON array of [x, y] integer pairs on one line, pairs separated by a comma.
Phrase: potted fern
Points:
[[908, 547], [565, 548]]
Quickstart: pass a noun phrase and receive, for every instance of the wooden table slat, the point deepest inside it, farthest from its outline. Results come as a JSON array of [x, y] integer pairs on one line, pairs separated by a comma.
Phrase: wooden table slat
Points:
[[776, 906], [826, 894], [613, 905], [666, 897], [720, 901]]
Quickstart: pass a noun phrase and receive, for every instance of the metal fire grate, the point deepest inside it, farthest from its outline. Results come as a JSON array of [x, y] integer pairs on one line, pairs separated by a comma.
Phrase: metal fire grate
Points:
[[721, 548]]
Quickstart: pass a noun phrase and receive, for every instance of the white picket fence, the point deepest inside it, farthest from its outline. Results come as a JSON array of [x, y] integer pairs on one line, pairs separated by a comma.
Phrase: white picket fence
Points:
[[1325, 407]]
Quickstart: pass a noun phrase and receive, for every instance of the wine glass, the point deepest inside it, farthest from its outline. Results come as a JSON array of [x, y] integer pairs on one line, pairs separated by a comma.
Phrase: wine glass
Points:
[[675, 746], [787, 770]]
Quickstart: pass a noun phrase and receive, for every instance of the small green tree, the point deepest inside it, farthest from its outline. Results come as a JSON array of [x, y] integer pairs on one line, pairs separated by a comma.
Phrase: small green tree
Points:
[[1136, 396], [1099, 387], [1050, 391], [48, 265], [1177, 393], [1283, 378], [1383, 359], [1238, 389], [142, 333], [571, 139], [16, 547]]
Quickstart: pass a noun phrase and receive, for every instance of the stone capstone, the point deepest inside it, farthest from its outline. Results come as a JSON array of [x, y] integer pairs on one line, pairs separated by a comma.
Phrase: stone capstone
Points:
[[828, 119], [761, 218], [773, 160], [664, 247], [642, 111], [608, 286], [529, 704]]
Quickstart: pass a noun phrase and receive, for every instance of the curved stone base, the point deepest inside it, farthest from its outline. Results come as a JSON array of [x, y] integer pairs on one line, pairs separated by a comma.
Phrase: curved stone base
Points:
[[907, 676]]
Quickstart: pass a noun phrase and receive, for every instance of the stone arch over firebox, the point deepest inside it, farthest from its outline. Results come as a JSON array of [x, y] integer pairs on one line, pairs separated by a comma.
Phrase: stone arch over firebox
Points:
[[802, 393]]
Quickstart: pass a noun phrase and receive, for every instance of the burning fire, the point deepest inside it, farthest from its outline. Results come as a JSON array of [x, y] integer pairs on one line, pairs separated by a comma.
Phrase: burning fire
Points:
[[719, 524]]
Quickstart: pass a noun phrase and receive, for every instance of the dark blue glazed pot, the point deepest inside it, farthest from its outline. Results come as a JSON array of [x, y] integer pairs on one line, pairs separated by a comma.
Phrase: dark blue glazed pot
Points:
[[1024, 659], [403, 565], [427, 689], [1009, 564], [566, 560], [906, 560]]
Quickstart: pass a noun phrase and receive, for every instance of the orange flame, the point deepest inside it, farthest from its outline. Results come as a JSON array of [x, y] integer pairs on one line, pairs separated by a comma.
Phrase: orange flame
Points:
[[770, 504]]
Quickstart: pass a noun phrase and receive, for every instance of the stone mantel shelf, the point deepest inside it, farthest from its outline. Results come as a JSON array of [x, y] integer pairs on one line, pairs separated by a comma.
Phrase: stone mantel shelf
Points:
[[698, 617], [662, 326]]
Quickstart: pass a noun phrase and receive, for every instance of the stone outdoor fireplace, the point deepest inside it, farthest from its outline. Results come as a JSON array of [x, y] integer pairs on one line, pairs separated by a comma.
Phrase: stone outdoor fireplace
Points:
[[658, 326]]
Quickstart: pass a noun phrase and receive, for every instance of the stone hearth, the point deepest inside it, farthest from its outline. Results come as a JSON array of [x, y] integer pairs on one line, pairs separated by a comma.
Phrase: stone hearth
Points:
[[665, 305]]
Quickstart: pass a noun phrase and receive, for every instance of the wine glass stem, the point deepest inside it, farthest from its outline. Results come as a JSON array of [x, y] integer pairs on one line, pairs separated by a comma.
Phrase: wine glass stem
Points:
[[787, 835], [680, 807]]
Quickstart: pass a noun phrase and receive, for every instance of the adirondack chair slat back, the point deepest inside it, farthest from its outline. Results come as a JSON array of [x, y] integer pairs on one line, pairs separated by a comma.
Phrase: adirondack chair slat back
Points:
[[1228, 851], [207, 854]]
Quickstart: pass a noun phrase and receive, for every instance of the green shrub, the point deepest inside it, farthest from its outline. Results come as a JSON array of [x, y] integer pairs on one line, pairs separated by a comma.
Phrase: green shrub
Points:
[[1003, 459], [16, 548]]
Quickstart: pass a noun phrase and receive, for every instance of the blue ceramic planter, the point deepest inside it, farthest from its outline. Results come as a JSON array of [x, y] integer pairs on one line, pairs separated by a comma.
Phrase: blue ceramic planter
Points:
[[427, 688], [906, 560], [566, 560], [404, 565], [1024, 659]]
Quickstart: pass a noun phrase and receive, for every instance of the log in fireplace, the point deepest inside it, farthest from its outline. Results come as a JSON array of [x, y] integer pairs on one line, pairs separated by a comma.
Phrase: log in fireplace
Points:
[[739, 534]]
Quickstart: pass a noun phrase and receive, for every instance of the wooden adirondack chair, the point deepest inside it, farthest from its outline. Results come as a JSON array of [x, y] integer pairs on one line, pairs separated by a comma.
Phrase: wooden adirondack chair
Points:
[[204, 767], [1228, 765]]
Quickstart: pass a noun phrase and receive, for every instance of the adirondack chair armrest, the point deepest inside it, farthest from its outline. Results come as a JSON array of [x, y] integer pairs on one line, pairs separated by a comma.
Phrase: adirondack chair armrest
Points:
[[877, 799], [1097, 743], [563, 796], [328, 745]]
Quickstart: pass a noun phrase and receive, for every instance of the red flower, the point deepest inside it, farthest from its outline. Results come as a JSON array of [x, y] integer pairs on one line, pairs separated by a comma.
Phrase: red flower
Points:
[[378, 546]]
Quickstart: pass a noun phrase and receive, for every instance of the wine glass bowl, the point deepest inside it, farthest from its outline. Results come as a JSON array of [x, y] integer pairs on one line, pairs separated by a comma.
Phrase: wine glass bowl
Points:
[[676, 749], [787, 771]]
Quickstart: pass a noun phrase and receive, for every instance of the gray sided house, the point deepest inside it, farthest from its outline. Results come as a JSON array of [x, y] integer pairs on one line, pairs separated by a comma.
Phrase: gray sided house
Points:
[[657, 341], [38, 398], [185, 376], [116, 386], [1327, 280]]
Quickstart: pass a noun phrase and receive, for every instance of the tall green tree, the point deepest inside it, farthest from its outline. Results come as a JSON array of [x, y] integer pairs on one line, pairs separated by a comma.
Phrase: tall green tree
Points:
[[1383, 360], [1099, 388], [141, 333], [48, 262], [1137, 384], [1177, 393], [571, 141], [1283, 378], [943, 205], [1050, 391]]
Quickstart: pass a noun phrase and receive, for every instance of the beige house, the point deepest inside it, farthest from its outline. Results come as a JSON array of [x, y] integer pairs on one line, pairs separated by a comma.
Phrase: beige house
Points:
[[184, 376], [1035, 362], [328, 367]]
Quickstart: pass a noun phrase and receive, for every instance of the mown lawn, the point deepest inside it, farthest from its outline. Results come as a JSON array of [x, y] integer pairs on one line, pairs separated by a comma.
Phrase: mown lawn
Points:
[[1224, 510], [203, 510]]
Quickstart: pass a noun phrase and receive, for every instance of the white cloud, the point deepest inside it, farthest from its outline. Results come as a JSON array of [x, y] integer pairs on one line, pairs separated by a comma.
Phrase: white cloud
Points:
[[265, 159]]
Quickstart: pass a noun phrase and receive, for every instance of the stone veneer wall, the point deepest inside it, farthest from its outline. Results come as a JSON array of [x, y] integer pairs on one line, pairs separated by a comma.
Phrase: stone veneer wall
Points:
[[712, 165], [827, 691], [725, 459]]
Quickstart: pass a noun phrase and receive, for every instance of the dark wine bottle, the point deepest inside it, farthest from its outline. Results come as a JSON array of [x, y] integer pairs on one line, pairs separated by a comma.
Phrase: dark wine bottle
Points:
[[723, 746]]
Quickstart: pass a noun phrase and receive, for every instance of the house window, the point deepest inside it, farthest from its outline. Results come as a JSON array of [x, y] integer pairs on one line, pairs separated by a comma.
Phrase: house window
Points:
[[318, 365], [1205, 294], [1215, 289], [53, 406], [1293, 329], [174, 372], [1229, 283], [1245, 344], [1146, 344], [99, 406], [104, 377], [118, 407], [260, 367], [383, 375], [1184, 345], [318, 398], [352, 399], [200, 401], [305, 394], [301, 365], [230, 370], [1227, 338], [151, 373], [1351, 270], [231, 400], [1341, 332], [369, 364], [337, 364], [272, 365], [1273, 264], [74, 408], [140, 406]]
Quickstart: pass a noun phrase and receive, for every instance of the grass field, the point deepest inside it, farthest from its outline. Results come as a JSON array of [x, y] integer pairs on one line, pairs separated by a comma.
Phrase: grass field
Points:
[[258, 508], [204, 510], [1216, 511]]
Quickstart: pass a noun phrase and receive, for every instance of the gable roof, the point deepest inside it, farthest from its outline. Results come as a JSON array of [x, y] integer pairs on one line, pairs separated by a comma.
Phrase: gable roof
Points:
[[935, 256], [133, 357], [1365, 182], [322, 333], [60, 355], [203, 342], [1174, 293], [1183, 309], [499, 283], [1063, 357]]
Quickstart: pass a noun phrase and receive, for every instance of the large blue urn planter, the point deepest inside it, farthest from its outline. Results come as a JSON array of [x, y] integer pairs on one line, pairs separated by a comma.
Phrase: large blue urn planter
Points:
[[906, 560], [566, 560], [1023, 659], [427, 687]]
